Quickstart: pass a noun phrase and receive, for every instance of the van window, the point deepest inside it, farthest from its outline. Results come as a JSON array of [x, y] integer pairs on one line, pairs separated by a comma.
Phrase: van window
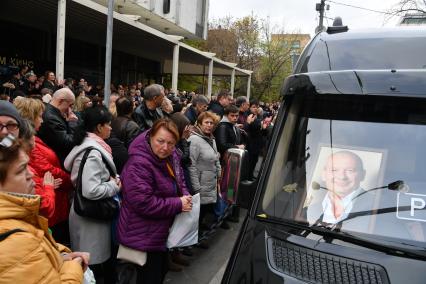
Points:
[[353, 162]]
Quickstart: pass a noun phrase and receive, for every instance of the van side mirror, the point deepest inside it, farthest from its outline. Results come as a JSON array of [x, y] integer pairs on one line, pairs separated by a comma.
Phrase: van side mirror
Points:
[[238, 189]]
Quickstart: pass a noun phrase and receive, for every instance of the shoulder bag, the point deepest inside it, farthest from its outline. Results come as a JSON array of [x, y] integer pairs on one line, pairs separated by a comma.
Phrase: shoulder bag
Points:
[[101, 209]]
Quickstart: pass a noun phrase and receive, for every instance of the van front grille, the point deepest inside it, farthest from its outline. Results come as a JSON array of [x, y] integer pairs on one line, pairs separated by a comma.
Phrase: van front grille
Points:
[[317, 267]]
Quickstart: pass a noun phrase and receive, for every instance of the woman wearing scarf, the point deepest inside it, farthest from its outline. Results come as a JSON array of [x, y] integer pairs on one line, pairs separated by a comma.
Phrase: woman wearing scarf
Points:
[[205, 163], [88, 234]]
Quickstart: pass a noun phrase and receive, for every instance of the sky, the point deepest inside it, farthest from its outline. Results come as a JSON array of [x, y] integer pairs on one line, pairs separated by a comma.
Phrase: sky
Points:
[[300, 15]]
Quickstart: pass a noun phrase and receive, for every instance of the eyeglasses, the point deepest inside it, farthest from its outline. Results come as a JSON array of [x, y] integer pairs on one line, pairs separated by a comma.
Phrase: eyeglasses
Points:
[[10, 126]]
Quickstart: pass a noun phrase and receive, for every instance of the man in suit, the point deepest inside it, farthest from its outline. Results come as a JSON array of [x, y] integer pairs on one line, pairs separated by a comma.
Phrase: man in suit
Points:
[[342, 174]]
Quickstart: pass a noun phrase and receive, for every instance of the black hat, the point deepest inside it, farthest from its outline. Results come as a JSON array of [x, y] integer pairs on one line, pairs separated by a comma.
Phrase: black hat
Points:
[[8, 109]]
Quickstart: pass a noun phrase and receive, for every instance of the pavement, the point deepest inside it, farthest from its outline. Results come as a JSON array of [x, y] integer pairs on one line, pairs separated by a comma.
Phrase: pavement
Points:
[[208, 265]]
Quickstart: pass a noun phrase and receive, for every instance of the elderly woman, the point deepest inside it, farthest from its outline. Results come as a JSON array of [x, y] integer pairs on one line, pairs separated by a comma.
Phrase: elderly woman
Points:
[[154, 192], [98, 182], [29, 254], [205, 162]]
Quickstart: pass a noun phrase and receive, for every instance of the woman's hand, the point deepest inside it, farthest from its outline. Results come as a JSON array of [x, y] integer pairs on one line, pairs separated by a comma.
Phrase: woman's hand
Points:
[[81, 257], [186, 203], [48, 179], [57, 183]]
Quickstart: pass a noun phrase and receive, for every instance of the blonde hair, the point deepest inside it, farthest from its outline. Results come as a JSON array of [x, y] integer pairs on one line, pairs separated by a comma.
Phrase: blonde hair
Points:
[[29, 108], [208, 114], [80, 103]]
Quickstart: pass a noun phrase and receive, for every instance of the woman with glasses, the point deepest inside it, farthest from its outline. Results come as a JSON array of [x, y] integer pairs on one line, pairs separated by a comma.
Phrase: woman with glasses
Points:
[[154, 192], [205, 167], [29, 254]]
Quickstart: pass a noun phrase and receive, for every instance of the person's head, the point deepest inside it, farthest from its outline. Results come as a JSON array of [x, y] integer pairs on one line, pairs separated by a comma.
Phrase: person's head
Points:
[[81, 103], [23, 70], [167, 106], [31, 109], [139, 86], [207, 122], [254, 105], [223, 98], [154, 93], [112, 108], [200, 103], [231, 112], [242, 103], [49, 76], [63, 99], [343, 173], [124, 106], [79, 91], [31, 76], [98, 120], [10, 120], [163, 137], [27, 135], [182, 122], [14, 173]]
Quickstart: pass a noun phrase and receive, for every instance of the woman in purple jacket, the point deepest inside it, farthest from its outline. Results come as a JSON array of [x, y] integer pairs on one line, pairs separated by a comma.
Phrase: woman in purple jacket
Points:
[[154, 192]]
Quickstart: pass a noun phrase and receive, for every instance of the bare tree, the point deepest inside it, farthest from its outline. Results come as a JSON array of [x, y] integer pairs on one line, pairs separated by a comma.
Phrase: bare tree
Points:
[[408, 6]]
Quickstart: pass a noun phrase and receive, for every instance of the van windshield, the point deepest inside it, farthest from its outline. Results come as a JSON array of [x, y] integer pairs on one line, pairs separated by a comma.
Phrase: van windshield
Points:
[[358, 162]]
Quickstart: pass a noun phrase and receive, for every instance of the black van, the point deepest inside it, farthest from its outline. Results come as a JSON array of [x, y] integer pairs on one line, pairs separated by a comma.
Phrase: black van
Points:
[[342, 194]]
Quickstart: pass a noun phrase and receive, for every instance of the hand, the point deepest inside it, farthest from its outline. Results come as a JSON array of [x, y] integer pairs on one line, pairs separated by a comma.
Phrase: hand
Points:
[[242, 147], [48, 179], [250, 118], [72, 117], [186, 203], [57, 183], [239, 125], [81, 257]]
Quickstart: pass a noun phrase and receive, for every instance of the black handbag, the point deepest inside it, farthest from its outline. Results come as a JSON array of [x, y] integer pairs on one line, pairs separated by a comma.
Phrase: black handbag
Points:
[[101, 209]]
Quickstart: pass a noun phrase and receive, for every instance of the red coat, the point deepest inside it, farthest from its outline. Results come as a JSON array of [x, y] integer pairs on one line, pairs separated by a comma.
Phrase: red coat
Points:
[[47, 193], [43, 159]]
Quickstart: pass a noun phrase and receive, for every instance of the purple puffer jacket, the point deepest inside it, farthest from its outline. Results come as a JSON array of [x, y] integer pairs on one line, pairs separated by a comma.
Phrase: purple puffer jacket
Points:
[[150, 201]]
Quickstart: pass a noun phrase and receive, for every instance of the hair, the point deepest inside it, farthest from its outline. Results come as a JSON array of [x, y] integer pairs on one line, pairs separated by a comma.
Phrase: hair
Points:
[[167, 124], [208, 114], [92, 117], [26, 134], [181, 121], [46, 74], [240, 100], [231, 109], [124, 106], [80, 103], [152, 91], [222, 94], [8, 155], [29, 108], [358, 160], [45, 91], [78, 90], [254, 102], [200, 100]]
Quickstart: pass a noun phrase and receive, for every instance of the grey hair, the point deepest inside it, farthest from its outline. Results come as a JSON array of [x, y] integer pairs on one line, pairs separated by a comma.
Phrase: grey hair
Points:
[[152, 91], [200, 100], [63, 93], [240, 100]]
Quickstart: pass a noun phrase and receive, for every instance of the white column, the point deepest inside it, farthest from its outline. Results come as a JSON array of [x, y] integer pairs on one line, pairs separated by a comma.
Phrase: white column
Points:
[[232, 82], [175, 67], [210, 80], [60, 39], [248, 86]]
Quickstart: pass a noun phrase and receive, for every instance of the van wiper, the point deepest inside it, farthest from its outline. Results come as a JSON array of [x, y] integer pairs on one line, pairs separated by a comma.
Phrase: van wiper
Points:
[[331, 232]]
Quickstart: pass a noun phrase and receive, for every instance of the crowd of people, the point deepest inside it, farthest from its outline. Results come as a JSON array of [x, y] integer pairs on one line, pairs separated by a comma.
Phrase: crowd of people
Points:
[[62, 152]]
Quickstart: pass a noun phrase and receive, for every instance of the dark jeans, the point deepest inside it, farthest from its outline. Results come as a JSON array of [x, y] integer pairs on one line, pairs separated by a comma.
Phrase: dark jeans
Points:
[[104, 272], [153, 272]]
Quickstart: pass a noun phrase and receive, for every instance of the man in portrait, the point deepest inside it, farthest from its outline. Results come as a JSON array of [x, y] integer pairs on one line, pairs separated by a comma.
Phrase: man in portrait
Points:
[[341, 174]]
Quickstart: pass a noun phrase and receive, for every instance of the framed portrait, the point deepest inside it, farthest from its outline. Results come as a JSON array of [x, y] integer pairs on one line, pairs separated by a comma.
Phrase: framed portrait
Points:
[[371, 160]]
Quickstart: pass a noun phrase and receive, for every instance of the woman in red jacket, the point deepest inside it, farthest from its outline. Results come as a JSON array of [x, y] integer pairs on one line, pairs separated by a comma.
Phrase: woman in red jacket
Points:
[[42, 160]]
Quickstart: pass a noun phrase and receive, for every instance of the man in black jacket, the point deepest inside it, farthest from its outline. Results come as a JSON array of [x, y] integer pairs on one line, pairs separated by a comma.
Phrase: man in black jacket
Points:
[[220, 104], [55, 130], [227, 134], [150, 109]]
